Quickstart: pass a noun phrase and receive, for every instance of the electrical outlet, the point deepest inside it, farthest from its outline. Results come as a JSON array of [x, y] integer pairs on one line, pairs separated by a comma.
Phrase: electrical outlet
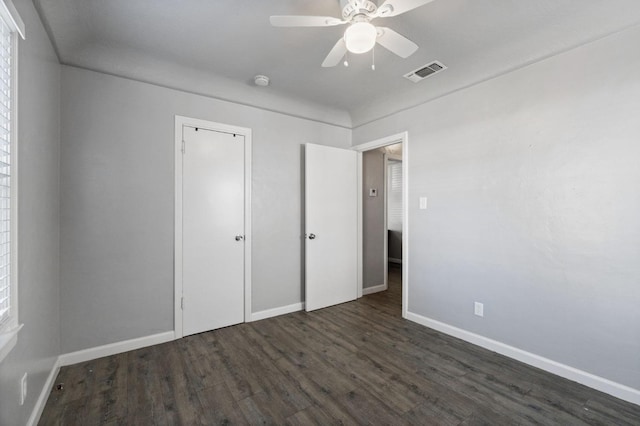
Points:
[[478, 309], [23, 389]]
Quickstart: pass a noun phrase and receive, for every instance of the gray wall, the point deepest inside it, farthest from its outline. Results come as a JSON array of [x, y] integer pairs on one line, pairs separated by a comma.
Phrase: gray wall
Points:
[[117, 184], [39, 341], [373, 219], [532, 180]]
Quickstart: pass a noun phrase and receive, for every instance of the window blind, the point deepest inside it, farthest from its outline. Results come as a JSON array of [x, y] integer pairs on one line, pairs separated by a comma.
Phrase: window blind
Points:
[[5, 171], [394, 196]]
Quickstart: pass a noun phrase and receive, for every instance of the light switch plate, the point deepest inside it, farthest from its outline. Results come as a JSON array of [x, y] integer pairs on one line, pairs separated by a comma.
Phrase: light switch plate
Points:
[[478, 309], [423, 203]]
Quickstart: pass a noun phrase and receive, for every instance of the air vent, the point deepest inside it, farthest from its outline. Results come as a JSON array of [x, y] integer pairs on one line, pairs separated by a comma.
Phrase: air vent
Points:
[[425, 71]]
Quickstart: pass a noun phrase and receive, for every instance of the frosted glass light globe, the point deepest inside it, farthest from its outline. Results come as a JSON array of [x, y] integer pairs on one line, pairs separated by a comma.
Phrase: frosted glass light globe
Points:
[[360, 37]]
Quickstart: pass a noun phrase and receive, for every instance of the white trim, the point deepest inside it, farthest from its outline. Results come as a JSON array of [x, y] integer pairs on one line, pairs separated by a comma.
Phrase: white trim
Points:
[[360, 257], [41, 402], [88, 355], [177, 241], [115, 348], [8, 340], [385, 226], [405, 224], [248, 239], [12, 17], [378, 143], [15, 194], [394, 260], [9, 328], [180, 122], [374, 289], [283, 310], [596, 382]]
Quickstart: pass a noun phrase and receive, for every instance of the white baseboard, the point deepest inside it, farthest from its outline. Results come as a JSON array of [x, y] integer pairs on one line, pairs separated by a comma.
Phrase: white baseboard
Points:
[[374, 289], [394, 260], [268, 313], [87, 355], [596, 382], [115, 348], [36, 413]]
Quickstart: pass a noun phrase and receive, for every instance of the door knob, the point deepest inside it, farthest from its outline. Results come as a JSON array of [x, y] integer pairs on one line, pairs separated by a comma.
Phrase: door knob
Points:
[[239, 237], [312, 236]]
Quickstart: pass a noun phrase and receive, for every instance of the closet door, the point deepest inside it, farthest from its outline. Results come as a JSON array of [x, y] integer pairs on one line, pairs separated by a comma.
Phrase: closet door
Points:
[[213, 229]]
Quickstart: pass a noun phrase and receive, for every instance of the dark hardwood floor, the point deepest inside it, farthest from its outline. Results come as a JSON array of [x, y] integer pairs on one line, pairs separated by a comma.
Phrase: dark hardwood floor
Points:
[[356, 363]]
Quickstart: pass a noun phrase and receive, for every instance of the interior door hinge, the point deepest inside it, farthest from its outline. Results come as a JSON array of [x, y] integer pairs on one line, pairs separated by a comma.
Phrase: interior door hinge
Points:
[[182, 303], [183, 147]]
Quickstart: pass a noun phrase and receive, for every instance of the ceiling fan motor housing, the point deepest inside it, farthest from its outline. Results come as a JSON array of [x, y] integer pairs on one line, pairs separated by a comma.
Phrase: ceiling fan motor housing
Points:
[[350, 8], [360, 36]]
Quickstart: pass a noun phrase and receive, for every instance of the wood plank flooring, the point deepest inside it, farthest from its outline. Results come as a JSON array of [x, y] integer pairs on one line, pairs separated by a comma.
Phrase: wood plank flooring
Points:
[[356, 363]]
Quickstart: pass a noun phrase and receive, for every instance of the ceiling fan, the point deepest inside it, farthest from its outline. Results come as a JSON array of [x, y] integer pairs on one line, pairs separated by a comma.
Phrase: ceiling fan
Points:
[[361, 36]]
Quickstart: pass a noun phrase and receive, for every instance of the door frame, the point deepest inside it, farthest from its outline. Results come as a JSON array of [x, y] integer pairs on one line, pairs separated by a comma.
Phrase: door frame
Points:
[[403, 138], [180, 122], [385, 227]]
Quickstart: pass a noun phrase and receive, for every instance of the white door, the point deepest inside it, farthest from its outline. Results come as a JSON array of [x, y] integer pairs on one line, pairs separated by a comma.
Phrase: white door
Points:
[[331, 222], [212, 230]]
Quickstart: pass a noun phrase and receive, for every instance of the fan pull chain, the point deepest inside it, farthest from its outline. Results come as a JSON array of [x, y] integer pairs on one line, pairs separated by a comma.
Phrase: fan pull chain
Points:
[[373, 58], [346, 59]]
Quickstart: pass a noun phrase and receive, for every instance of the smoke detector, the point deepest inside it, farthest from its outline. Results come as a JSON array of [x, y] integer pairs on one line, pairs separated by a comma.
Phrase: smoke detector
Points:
[[261, 80]]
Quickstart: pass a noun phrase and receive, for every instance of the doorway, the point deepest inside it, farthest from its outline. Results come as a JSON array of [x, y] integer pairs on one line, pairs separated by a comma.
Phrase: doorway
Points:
[[212, 228], [383, 246]]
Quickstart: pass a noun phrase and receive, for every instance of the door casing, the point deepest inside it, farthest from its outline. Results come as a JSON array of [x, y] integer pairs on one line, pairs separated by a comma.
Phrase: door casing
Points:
[[181, 121]]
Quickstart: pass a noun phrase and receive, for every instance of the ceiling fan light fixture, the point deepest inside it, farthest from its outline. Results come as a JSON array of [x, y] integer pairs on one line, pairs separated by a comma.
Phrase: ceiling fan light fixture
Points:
[[360, 37]]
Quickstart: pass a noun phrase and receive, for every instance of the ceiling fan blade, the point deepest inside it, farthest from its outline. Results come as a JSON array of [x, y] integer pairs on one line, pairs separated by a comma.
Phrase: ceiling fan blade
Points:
[[337, 53], [396, 7], [305, 21], [391, 40]]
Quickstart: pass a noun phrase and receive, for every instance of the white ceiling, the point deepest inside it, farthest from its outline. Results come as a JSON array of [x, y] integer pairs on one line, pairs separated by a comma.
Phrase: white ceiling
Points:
[[215, 47]]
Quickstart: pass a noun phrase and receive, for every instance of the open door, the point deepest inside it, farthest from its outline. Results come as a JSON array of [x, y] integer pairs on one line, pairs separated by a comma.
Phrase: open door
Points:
[[331, 222]]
